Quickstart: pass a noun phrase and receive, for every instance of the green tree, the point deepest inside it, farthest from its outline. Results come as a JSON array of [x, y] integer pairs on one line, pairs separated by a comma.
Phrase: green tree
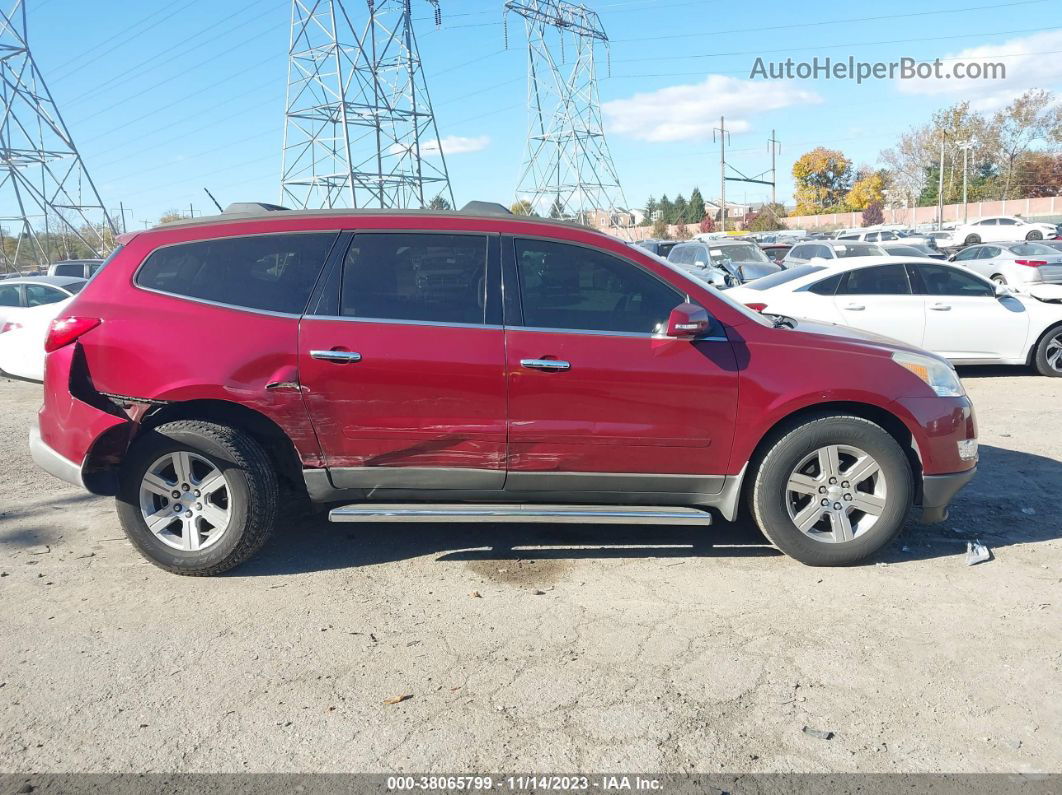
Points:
[[679, 210], [650, 211], [666, 208], [440, 202], [556, 210], [696, 206]]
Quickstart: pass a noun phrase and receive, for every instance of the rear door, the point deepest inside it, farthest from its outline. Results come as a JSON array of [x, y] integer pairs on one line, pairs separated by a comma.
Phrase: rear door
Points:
[[879, 299], [401, 359], [964, 318], [598, 399]]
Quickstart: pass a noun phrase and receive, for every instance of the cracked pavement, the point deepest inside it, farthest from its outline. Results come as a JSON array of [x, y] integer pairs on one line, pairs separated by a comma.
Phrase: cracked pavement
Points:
[[656, 649]]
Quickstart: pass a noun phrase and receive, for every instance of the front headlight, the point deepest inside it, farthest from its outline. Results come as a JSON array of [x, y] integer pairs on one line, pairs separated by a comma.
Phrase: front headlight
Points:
[[937, 375]]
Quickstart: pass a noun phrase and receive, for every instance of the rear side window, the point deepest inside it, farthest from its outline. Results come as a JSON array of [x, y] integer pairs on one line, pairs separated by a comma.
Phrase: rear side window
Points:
[[942, 280], [9, 295], [435, 278], [39, 295], [826, 286], [70, 269], [879, 280], [273, 273], [569, 287]]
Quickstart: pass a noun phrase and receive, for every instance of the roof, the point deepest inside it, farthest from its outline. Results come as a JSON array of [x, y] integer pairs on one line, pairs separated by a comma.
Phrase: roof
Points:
[[54, 281]]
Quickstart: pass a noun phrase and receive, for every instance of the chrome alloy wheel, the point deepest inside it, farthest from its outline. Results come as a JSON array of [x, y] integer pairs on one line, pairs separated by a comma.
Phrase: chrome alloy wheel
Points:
[[836, 493], [1053, 353], [184, 501]]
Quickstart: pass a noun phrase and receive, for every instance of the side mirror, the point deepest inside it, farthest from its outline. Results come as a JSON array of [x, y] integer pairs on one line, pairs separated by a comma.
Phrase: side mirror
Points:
[[688, 321], [1002, 290], [700, 264]]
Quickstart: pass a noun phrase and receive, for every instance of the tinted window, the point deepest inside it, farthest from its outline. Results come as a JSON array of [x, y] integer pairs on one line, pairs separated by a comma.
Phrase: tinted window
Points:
[[858, 250], [741, 252], [74, 287], [827, 286], [39, 295], [797, 252], [9, 295], [571, 287], [968, 253], [987, 252], [70, 269], [903, 251], [941, 280], [781, 277], [1007, 222], [1026, 249], [879, 280], [268, 272], [423, 277], [665, 249]]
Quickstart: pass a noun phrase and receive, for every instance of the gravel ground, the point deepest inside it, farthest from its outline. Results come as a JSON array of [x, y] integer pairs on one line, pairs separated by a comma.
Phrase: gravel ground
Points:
[[532, 648]]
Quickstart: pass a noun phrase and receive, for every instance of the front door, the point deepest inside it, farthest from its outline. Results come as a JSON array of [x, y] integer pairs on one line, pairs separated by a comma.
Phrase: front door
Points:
[[402, 363], [598, 399], [879, 299]]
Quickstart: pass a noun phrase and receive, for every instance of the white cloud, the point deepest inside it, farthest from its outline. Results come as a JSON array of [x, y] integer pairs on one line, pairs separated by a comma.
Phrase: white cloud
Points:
[[451, 145], [689, 112], [1031, 62]]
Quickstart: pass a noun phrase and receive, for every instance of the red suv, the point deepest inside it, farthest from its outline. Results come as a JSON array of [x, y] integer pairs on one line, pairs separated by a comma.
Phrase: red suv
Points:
[[474, 366]]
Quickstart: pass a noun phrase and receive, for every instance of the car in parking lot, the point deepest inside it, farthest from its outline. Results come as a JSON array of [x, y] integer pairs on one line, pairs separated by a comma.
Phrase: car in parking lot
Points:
[[903, 248], [659, 247], [25, 292], [941, 307], [1017, 264], [828, 251], [1002, 228], [776, 251], [83, 268], [723, 263], [420, 366]]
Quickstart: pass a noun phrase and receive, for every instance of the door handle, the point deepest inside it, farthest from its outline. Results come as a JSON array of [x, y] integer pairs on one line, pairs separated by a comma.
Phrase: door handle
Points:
[[545, 364], [339, 357], [940, 307], [855, 307]]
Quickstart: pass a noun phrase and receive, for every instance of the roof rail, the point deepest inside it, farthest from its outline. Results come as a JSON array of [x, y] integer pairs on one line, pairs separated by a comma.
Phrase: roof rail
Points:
[[252, 207]]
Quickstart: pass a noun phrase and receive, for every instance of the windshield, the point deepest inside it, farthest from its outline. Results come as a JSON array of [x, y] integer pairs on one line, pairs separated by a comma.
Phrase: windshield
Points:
[[736, 252], [859, 250], [1031, 248], [907, 251], [781, 277]]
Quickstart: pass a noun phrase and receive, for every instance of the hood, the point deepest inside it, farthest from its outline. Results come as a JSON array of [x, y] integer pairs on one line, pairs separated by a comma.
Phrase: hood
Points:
[[865, 339]]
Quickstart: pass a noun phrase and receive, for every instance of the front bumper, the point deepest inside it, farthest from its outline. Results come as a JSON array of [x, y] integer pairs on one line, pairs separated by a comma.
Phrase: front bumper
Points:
[[52, 462], [938, 491]]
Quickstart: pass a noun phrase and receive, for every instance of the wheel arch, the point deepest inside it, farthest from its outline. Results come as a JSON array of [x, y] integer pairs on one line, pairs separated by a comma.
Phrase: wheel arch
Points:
[[108, 451], [885, 419], [1030, 359]]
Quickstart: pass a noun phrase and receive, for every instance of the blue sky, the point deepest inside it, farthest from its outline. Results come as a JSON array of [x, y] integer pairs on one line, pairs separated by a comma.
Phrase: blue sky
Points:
[[165, 97]]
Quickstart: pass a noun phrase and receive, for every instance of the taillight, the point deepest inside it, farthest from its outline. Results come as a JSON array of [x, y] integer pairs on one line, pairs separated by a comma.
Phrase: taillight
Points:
[[1032, 263], [65, 330], [10, 325], [756, 307]]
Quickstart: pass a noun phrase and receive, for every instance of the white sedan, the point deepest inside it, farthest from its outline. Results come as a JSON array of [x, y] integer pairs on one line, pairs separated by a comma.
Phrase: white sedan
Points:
[[1002, 228], [22, 341], [934, 305]]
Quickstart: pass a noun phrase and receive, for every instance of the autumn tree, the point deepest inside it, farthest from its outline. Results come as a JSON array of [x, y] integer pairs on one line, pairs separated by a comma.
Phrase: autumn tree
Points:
[[1040, 174], [660, 230], [868, 188], [706, 225], [873, 214], [522, 207], [170, 216], [440, 202], [823, 178], [682, 231], [1033, 117]]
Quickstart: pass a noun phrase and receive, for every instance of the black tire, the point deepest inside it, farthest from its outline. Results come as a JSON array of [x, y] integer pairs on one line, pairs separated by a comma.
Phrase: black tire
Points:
[[251, 495], [768, 496], [972, 240], [1035, 235], [1043, 365], [999, 278]]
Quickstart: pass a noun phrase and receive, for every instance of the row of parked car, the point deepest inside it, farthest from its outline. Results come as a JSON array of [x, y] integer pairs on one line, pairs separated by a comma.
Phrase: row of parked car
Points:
[[997, 303]]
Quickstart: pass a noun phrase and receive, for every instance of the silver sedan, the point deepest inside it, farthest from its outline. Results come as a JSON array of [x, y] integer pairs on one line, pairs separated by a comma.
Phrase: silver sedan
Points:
[[1017, 264]]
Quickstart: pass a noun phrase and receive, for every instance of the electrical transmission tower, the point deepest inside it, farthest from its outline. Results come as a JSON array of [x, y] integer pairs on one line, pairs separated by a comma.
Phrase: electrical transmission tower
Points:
[[569, 172], [359, 129], [48, 203]]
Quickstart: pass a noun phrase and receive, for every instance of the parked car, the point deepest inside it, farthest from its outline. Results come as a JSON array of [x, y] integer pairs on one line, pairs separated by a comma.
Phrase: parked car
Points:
[[216, 368], [83, 268], [829, 251], [1055, 244], [659, 247], [867, 235], [25, 292], [22, 341], [723, 263], [901, 248], [776, 251], [1002, 228], [1017, 264], [935, 305]]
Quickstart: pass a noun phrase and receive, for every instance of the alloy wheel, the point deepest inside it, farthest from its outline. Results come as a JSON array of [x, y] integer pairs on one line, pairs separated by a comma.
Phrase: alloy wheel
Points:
[[184, 501], [1053, 352], [836, 493]]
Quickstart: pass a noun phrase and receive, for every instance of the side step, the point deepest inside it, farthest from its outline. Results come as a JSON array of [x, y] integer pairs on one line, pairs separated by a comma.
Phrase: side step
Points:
[[471, 512]]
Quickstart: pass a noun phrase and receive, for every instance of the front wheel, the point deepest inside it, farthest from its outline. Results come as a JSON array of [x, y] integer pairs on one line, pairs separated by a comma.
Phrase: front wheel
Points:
[[197, 498], [999, 279], [1049, 354], [1035, 235], [833, 491]]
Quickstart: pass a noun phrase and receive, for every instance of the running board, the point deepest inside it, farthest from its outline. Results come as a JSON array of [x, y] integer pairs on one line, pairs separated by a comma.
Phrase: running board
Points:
[[576, 514]]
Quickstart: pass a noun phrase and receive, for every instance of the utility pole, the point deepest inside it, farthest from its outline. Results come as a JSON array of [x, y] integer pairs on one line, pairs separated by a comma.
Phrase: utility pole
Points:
[[940, 182], [965, 146], [721, 129], [123, 211], [775, 147]]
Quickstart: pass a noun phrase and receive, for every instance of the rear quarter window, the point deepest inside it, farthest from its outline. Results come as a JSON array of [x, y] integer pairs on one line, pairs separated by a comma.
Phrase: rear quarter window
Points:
[[273, 273]]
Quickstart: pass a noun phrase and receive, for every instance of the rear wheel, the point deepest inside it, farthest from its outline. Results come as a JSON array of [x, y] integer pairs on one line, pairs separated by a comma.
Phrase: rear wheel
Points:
[[197, 498], [833, 491], [1049, 353], [999, 278], [1035, 235], [972, 240]]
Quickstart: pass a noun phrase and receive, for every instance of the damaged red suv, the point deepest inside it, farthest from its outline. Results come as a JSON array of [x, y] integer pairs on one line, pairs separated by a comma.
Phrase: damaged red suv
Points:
[[474, 366]]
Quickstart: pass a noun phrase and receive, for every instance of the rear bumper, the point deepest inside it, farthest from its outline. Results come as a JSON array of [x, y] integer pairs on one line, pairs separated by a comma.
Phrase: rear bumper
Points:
[[52, 462], [938, 491]]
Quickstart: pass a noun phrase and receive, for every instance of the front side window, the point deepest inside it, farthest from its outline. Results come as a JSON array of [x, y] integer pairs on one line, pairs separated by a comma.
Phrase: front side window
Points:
[[428, 278], [878, 280], [973, 252], [273, 273], [39, 295], [9, 295], [564, 286], [942, 280], [1007, 222]]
